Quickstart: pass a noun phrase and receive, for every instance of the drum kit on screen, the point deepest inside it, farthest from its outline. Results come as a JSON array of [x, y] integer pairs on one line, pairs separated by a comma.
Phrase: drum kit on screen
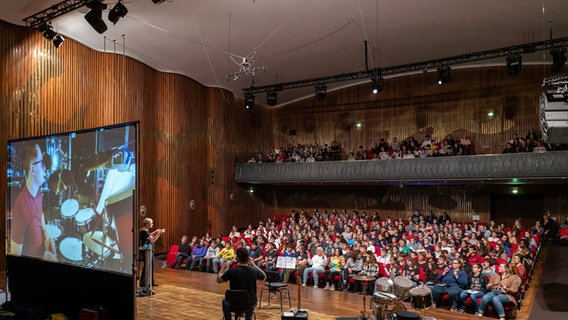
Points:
[[81, 235], [386, 302]]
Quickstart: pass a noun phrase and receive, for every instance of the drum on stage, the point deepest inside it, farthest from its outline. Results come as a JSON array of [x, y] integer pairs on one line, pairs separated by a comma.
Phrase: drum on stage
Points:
[[83, 220], [402, 286], [404, 315], [383, 304], [421, 297], [384, 285], [71, 249]]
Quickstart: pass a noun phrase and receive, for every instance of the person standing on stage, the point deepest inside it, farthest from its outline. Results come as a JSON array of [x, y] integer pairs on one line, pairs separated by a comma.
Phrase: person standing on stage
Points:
[[28, 233], [242, 277], [147, 239]]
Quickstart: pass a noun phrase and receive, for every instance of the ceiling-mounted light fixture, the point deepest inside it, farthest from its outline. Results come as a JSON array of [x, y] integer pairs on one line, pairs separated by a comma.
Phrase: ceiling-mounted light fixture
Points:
[[558, 59], [444, 75], [514, 64], [271, 98], [58, 40], [117, 12], [377, 81], [321, 91], [249, 100], [158, 1], [95, 16]]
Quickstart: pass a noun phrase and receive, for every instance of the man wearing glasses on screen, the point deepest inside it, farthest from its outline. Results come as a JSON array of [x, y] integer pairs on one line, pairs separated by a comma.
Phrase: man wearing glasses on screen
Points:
[[28, 232]]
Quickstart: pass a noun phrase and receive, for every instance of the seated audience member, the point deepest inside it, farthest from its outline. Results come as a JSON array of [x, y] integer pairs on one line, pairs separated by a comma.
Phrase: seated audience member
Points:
[[517, 266], [454, 280], [196, 256], [352, 267], [270, 258], [243, 277], [487, 267], [476, 289], [318, 264], [431, 274], [255, 252], [226, 254], [184, 249], [211, 254], [503, 286], [336, 264], [234, 233], [370, 269], [411, 271]]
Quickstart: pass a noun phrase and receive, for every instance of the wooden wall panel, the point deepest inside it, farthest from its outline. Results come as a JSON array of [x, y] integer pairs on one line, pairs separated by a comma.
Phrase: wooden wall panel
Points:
[[47, 91], [414, 106]]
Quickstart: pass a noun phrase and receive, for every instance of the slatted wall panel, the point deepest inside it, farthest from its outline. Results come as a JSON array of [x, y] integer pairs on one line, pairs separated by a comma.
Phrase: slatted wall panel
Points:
[[415, 106], [47, 90]]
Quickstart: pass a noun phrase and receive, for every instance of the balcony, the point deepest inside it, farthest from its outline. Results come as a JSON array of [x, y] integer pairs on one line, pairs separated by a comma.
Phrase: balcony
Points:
[[549, 167]]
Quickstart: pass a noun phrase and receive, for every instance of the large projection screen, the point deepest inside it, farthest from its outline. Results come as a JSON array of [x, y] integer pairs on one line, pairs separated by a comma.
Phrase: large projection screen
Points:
[[70, 221], [71, 198]]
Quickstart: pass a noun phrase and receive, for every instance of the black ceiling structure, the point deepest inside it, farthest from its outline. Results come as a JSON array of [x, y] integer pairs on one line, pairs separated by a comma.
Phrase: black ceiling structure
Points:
[[516, 50], [54, 11]]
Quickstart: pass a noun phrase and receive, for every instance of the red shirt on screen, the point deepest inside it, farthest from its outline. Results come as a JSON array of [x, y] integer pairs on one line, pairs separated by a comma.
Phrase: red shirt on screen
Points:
[[26, 223]]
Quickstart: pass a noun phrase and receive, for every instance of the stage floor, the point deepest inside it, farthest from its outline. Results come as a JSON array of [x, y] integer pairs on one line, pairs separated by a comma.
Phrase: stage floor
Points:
[[196, 295]]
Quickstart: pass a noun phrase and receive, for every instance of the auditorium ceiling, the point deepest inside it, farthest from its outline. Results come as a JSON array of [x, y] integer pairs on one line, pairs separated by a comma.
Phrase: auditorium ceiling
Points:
[[290, 40]]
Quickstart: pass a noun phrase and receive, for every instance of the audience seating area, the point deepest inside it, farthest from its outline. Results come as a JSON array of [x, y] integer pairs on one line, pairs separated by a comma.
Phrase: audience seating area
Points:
[[429, 241]]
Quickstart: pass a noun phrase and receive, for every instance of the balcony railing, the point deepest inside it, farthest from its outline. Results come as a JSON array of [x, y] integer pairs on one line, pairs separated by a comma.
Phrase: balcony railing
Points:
[[549, 167]]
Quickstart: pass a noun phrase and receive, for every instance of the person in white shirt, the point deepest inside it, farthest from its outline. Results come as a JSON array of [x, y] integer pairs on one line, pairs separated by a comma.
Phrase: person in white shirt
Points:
[[318, 264]]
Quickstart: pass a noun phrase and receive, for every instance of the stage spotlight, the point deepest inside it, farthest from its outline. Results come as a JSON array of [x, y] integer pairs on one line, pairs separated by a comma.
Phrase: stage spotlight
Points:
[[514, 64], [272, 98], [377, 82], [95, 16], [117, 12], [444, 75], [49, 34], [249, 100], [558, 59], [321, 90], [58, 40]]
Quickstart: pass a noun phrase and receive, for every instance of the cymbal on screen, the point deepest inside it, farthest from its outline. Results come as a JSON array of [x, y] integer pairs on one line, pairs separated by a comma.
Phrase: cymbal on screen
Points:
[[60, 180], [99, 160]]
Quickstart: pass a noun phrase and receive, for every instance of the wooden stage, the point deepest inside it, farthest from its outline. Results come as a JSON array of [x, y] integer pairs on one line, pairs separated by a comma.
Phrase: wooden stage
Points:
[[196, 295]]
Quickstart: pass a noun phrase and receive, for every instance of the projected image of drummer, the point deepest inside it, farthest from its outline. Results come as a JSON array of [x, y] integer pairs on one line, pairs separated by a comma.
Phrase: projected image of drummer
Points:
[[28, 228], [76, 204]]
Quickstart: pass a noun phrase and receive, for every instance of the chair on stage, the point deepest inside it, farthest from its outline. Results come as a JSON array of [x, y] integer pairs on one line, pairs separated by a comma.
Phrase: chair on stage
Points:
[[274, 286], [239, 301]]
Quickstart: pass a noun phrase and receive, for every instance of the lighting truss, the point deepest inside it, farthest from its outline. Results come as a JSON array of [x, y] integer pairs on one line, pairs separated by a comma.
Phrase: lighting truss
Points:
[[558, 81], [54, 11], [419, 66]]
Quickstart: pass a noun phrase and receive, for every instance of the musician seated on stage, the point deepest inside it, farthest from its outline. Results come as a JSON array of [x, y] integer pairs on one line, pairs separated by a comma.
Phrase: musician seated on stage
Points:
[[242, 277]]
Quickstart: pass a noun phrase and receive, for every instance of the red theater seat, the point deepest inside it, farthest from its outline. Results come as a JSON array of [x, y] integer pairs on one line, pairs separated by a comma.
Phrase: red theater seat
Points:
[[171, 257]]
